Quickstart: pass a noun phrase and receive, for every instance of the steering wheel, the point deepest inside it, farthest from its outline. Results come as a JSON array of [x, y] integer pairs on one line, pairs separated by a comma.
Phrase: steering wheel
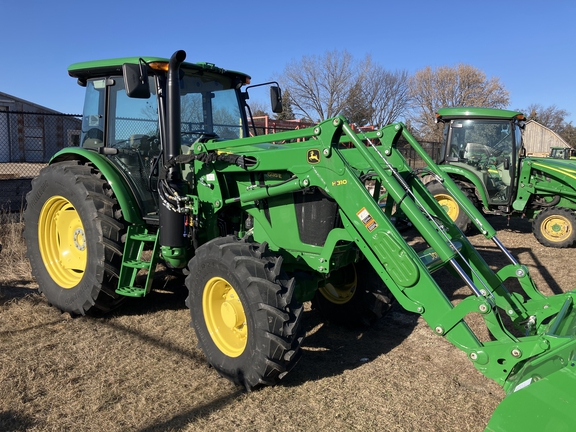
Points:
[[203, 135]]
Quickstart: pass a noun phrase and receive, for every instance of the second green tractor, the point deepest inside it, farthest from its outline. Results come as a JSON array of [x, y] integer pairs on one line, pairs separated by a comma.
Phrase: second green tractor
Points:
[[483, 153]]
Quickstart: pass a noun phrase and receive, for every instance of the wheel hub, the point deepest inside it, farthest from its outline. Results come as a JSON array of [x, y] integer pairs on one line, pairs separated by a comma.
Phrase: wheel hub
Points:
[[79, 239], [232, 314], [225, 317], [62, 242], [448, 205], [556, 228]]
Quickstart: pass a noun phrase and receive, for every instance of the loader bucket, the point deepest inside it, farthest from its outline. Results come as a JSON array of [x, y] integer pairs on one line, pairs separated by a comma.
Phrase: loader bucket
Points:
[[542, 395]]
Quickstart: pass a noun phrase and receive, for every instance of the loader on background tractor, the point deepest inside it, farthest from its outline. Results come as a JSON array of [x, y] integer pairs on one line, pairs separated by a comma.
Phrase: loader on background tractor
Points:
[[484, 154], [168, 171]]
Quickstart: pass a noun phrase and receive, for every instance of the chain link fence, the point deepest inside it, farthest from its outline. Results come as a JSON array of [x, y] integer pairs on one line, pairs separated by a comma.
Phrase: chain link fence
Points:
[[29, 139], [27, 142]]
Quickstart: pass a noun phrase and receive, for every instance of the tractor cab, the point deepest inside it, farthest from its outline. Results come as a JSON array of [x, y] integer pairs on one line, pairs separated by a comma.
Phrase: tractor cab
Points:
[[125, 114], [485, 144], [565, 153]]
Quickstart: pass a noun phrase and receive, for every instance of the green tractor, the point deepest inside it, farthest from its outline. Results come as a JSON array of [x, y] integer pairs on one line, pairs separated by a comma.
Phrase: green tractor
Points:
[[562, 153], [483, 153], [170, 171]]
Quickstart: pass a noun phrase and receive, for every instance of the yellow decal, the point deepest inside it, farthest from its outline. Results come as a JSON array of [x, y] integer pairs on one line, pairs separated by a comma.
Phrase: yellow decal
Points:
[[313, 156], [367, 219], [339, 182]]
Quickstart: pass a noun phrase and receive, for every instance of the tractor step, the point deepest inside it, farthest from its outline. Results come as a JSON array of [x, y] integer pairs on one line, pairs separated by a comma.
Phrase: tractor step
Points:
[[133, 262], [131, 291]]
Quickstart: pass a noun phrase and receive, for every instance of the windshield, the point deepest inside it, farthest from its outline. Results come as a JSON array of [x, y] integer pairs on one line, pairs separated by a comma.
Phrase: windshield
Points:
[[209, 108], [487, 148]]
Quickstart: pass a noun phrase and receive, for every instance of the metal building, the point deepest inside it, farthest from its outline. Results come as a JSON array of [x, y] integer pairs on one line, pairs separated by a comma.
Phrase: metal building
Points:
[[33, 133]]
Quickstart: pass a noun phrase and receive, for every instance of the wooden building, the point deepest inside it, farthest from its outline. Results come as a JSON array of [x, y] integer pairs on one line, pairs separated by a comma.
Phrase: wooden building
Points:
[[539, 139]]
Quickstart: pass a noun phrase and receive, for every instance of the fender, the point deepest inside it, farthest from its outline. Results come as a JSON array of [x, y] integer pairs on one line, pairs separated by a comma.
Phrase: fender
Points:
[[123, 193], [455, 171]]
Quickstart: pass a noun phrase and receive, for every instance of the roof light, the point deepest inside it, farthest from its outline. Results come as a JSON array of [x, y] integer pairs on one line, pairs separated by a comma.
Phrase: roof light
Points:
[[162, 66]]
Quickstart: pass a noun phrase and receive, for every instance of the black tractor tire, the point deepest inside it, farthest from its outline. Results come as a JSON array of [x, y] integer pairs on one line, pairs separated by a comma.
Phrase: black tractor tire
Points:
[[244, 312], [73, 232], [450, 206], [353, 296], [555, 227]]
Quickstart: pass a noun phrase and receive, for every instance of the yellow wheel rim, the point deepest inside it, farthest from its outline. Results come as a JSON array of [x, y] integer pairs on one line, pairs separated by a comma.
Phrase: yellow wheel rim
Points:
[[556, 228], [225, 317], [342, 292], [62, 242], [449, 205]]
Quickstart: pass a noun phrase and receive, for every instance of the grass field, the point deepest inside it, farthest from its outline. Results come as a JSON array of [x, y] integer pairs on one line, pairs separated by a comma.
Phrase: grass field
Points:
[[139, 369]]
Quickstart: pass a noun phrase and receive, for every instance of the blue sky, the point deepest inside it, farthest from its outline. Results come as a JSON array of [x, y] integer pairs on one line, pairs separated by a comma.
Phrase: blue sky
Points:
[[529, 45]]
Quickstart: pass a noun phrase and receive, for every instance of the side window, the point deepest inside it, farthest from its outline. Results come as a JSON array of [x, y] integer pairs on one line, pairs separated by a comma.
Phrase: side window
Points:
[[135, 123], [93, 118]]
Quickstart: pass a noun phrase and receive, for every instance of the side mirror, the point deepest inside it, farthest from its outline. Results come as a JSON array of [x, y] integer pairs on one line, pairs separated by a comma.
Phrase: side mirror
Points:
[[276, 99], [136, 80]]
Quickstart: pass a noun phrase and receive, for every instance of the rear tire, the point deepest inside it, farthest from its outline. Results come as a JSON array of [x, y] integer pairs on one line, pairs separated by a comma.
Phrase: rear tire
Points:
[[244, 312], [353, 295], [450, 206], [555, 227], [73, 229]]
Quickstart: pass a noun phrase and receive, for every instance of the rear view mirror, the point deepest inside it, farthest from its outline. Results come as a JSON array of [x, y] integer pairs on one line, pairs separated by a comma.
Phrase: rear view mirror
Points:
[[136, 80], [276, 99]]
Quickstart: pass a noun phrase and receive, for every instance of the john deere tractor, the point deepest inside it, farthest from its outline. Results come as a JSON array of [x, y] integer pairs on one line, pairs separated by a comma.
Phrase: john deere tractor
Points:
[[484, 154], [170, 171]]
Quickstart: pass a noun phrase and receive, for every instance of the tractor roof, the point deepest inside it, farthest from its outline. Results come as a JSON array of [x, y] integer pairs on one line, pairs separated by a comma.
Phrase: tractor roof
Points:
[[101, 68], [476, 112]]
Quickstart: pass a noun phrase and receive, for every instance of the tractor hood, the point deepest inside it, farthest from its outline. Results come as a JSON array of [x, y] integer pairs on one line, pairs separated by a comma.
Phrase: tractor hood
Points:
[[554, 167], [535, 179]]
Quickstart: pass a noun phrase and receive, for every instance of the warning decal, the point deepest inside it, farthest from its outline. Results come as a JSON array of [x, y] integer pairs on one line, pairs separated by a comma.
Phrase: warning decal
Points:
[[367, 219]]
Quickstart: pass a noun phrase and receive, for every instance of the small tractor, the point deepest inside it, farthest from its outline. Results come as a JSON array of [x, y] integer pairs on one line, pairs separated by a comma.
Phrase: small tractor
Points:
[[170, 172], [562, 153], [484, 154]]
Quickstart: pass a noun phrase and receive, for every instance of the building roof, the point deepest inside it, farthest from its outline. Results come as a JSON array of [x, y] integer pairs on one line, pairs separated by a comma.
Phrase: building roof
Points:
[[547, 131], [7, 99]]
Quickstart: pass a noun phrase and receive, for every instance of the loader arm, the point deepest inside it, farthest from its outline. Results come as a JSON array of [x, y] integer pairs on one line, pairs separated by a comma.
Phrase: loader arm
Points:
[[545, 326]]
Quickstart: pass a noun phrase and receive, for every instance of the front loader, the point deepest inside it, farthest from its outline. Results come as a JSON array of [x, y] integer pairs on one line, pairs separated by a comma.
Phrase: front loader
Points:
[[170, 171]]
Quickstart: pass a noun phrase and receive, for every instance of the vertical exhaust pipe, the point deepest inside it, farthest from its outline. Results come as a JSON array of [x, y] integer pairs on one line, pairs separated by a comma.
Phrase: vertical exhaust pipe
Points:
[[172, 223]]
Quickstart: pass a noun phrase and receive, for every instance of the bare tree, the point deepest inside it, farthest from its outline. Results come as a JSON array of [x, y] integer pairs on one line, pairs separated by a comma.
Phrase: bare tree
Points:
[[552, 117], [462, 85], [569, 134], [388, 94], [319, 86], [322, 87]]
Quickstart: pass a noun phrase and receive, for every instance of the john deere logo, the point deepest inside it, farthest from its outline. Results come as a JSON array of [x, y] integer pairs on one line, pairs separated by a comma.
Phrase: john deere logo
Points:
[[313, 156]]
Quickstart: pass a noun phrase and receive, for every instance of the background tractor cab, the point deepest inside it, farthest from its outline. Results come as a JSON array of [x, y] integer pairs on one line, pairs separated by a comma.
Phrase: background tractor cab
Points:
[[562, 153], [486, 148], [484, 154]]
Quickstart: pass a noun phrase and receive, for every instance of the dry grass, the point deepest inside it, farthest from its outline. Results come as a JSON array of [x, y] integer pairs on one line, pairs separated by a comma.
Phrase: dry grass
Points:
[[139, 369], [15, 267]]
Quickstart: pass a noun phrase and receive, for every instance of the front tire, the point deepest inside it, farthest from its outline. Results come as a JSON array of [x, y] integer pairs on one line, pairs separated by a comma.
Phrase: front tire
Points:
[[73, 232], [353, 295], [555, 227], [244, 312]]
